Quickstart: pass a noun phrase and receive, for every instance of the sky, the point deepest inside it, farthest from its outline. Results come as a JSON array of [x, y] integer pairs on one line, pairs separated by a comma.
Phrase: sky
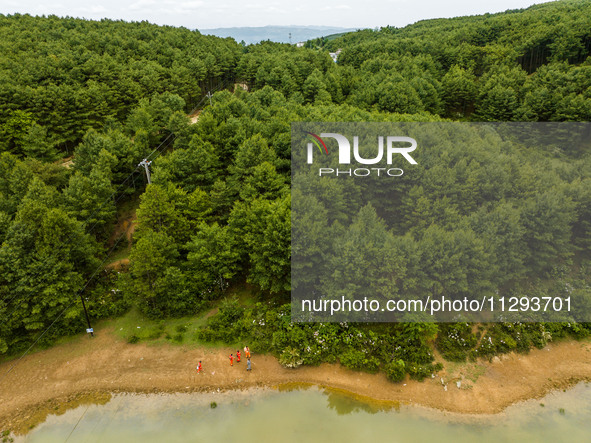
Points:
[[202, 14]]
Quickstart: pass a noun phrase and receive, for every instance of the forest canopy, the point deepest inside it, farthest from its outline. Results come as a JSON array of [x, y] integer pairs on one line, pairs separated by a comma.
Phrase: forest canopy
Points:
[[83, 102]]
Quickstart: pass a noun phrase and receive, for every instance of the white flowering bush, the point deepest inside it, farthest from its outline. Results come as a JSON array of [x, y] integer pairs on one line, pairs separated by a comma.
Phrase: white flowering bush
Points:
[[290, 358]]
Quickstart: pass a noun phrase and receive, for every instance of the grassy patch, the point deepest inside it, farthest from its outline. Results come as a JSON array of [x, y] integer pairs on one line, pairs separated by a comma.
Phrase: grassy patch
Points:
[[474, 372], [119, 255], [173, 330], [127, 207], [469, 372], [244, 293], [137, 328]]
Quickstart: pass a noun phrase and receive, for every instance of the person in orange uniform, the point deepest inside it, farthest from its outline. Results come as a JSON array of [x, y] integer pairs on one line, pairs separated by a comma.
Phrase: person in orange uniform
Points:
[[199, 367], [231, 360], [247, 351], [238, 356]]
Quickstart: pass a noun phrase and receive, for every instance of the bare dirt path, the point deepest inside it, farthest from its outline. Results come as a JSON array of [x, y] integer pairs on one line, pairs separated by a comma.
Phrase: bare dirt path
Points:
[[194, 117], [89, 369], [127, 226]]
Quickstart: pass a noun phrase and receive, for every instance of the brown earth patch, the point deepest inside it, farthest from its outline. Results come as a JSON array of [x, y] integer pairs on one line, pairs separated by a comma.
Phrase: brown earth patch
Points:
[[90, 369]]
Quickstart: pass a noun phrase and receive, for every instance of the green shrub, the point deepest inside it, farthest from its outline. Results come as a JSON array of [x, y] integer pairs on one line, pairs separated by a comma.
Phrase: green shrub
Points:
[[229, 313], [330, 358], [290, 358], [106, 299], [395, 370], [419, 371], [358, 360], [178, 338], [206, 335], [154, 333], [455, 341], [267, 328], [133, 339]]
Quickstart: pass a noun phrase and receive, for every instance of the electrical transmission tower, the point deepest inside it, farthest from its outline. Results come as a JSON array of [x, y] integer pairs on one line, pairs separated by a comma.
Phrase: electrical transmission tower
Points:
[[145, 163]]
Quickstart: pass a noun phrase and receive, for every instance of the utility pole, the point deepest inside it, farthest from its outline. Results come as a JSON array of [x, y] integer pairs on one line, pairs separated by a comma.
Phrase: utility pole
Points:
[[89, 330], [209, 97], [145, 163]]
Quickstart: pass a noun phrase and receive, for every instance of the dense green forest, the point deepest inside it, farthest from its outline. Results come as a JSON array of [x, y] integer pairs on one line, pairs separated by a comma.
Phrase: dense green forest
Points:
[[218, 211]]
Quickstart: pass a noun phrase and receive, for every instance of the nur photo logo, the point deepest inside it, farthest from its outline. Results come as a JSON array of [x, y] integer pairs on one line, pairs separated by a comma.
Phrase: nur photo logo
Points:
[[386, 146]]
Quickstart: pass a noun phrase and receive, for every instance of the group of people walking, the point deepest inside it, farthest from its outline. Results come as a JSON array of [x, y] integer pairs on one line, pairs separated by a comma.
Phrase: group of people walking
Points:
[[238, 357]]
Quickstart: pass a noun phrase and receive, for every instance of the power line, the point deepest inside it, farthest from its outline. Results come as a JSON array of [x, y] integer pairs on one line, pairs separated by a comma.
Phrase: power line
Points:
[[102, 263], [89, 230], [111, 418], [77, 423], [99, 267], [47, 261], [145, 163], [209, 94], [158, 149]]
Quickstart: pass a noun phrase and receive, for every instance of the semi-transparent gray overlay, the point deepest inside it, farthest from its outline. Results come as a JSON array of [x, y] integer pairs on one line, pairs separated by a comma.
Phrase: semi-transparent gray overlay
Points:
[[361, 192]]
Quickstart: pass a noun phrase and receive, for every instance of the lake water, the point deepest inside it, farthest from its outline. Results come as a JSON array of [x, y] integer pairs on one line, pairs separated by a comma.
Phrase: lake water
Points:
[[311, 415]]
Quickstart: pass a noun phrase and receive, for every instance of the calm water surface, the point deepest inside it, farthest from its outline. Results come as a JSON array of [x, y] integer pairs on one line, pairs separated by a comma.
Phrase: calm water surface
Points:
[[311, 415]]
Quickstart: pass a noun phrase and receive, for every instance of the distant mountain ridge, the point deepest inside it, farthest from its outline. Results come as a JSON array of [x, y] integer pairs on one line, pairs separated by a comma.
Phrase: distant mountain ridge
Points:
[[275, 33]]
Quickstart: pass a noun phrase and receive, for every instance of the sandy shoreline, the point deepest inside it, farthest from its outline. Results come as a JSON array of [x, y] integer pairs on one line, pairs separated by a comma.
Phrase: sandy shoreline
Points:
[[88, 370]]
